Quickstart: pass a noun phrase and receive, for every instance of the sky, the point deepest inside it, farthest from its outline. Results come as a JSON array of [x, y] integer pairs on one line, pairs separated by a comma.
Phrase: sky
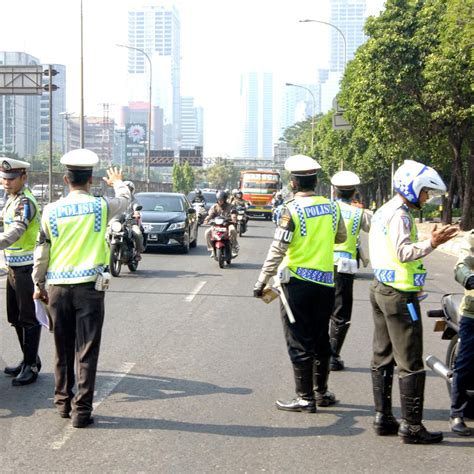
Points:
[[220, 39]]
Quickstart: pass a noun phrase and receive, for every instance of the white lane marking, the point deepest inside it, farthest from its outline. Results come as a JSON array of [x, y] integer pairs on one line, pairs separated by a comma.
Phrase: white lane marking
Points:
[[196, 290], [102, 393]]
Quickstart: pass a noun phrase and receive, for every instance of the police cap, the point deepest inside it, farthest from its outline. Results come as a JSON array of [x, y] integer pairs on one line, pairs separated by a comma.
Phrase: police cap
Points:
[[302, 165], [80, 159], [11, 168], [345, 180]]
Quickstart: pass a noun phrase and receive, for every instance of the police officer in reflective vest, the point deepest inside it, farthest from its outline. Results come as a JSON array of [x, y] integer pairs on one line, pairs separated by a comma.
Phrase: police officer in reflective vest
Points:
[[345, 261], [302, 254], [71, 256], [21, 219], [395, 256]]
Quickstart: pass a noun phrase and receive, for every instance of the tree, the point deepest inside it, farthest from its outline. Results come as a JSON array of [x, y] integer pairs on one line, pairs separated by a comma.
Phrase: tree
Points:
[[222, 175], [178, 178], [188, 178]]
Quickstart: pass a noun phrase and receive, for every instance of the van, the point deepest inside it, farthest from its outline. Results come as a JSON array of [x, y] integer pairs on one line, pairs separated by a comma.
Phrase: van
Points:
[[41, 191]]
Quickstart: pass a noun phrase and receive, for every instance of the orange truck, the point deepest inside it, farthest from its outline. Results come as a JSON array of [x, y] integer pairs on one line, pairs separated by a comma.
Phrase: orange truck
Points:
[[258, 188]]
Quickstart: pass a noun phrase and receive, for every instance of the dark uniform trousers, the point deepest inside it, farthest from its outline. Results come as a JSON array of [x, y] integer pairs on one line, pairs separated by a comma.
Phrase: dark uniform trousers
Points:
[[20, 305], [311, 303], [397, 337], [342, 313], [77, 312]]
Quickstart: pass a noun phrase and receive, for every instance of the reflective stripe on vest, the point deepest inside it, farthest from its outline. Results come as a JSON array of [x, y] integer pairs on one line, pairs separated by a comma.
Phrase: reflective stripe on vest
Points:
[[20, 253], [352, 219], [408, 276], [79, 250], [310, 253]]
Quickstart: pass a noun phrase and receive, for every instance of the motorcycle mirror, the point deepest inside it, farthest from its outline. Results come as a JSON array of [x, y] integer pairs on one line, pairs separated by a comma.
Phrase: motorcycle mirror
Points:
[[137, 207]]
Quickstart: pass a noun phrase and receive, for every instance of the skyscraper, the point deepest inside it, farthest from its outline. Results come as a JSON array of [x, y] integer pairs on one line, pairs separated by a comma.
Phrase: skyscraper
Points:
[[349, 17], [155, 29], [19, 114], [191, 124], [256, 93]]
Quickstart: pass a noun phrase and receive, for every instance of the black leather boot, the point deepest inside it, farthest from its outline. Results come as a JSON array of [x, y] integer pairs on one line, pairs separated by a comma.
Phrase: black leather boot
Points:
[[29, 371], [324, 397], [337, 335], [412, 431], [304, 402], [384, 423]]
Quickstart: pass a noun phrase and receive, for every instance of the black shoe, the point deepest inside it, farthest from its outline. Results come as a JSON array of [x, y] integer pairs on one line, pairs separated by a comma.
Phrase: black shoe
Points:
[[82, 421], [336, 364], [458, 426], [325, 399], [418, 434], [297, 404], [28, 374], [385, 425]]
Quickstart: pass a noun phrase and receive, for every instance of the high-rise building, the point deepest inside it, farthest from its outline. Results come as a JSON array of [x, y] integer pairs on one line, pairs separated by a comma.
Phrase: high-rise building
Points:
[[155, 29], [349, 17], [19, 114], [58, 106], [191, 124], [299, 103], [256, 93]]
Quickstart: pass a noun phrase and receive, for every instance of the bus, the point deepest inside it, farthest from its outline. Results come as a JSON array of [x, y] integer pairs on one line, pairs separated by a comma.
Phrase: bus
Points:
[[258, 188]]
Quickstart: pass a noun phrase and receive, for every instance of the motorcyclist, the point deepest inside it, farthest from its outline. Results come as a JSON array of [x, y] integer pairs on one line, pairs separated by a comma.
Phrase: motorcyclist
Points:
[[222, 208], [136, 231], [277, 201], [198, 197], [463, 375]]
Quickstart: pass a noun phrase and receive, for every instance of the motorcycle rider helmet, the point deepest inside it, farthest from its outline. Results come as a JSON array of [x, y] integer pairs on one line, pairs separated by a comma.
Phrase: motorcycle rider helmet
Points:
[[412, 177], [234, 192], [278, 195], [239, 194], [198, 192], [345, 180], [221, 196], [130, 186]]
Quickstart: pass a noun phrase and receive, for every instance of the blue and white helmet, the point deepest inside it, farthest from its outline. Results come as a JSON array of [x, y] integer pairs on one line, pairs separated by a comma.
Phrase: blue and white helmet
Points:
[[412, 177]]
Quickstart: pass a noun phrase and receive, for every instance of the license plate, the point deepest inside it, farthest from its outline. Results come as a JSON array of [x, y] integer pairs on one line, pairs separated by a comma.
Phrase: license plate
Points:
[[152, 237]]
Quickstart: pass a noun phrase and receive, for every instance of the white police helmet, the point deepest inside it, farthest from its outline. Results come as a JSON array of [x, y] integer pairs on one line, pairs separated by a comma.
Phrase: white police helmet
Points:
[[345, 180], [411, 177], [80, 159], [11, 168], [302, 165]]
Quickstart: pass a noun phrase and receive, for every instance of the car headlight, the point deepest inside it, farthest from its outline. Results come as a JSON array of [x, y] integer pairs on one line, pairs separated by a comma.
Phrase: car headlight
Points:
[[177, 226]]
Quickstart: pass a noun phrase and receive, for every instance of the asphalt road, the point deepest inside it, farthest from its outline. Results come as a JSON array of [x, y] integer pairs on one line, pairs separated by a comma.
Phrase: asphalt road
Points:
[[190, 368]]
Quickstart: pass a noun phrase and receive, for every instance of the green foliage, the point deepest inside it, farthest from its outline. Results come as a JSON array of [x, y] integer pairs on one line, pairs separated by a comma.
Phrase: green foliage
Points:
[[223, 175], [188, 178]]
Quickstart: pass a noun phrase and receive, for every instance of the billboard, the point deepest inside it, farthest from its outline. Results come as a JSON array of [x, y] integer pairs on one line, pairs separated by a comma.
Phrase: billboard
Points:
[[21, 80], [135, 143], [193, 157]]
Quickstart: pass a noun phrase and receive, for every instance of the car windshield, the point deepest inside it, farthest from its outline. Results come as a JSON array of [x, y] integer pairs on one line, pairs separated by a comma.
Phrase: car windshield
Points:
[[208, 197], [161, 203]]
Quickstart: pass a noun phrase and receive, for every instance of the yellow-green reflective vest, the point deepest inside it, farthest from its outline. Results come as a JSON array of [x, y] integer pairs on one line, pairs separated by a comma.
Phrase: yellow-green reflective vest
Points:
[[352, 219], [79, 250], [20, 253], [408, 276], [310, 253]]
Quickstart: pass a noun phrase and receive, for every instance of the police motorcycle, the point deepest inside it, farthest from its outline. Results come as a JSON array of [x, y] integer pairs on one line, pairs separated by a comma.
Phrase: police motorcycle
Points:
[[200, 211], [220, 240], [241, 220], [448, 324], [122, 243]]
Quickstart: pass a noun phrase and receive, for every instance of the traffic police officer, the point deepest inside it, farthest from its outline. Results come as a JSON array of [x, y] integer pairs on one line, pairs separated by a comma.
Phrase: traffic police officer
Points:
[[21, 219], [71, 256], [395, 255], [345, 261], [303, 245]]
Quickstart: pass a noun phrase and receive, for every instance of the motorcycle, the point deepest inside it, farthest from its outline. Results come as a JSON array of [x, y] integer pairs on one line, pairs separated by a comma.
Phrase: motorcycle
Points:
[[122, 243], [220, 240], [200, 211], [448, 323], [241, 220]]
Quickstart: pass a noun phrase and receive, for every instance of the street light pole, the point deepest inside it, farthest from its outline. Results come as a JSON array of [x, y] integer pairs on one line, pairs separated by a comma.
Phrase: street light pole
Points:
[[312, 115], [81, 115], [147, 159], [336, 28]]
